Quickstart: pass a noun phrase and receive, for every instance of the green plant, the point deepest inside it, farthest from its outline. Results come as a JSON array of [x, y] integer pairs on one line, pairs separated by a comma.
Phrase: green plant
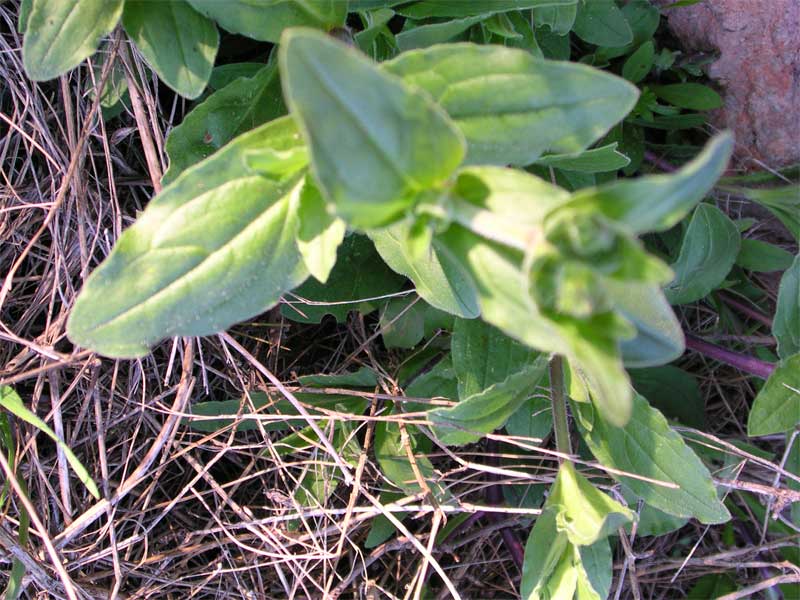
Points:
[[459, 166]]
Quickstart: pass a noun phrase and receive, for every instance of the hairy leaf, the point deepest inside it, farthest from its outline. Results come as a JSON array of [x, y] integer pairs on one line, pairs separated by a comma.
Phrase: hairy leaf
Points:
[[213, 248], [513, 107], [375, 142], [657, 202], [59, 35], [647, 447], [179, 43]]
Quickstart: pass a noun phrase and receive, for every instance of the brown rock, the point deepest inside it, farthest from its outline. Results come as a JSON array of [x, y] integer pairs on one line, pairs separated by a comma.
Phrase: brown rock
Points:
[[758, 71]]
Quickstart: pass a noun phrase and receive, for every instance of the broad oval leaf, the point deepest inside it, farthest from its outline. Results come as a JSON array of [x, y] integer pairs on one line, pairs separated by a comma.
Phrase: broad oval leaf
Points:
[[375, 142], [786, 324], [694, 96], [776, 409], [657, 202], [179, 43], [513, 107], [648, 447], [215, 247], [59, 35], [708, 252], [602, 23], [235, 109], [440, 280], [763, 257], [265, 20]]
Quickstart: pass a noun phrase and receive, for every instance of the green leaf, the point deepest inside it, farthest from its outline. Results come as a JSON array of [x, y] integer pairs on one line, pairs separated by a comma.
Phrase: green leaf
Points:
[[652, 521], [357, 282], [763, 257], [708, 252], [638, 64], [484, 356], [485, 411], [513, 107], [434, 33], [176, 41], [402, 322], [265, 20], [10, 400], [459, 8], [215, 247], [659, 337], [59, 35], [595, 571], [583, 512], [710, 587], [224, 75], [534, 417], [544, 550], [375, 142], [658, 202], [559, 19], [393, 461], [783, 202], [648, 447], [602, 23], [693, 96], [320, 232], [673, 391], [786, 324], [597, 160], [440, 280], [231, 111], [362, 378], [776, 409]]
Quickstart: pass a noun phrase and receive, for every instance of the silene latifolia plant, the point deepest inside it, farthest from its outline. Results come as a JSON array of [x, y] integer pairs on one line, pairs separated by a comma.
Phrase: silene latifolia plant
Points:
[[427, 162]]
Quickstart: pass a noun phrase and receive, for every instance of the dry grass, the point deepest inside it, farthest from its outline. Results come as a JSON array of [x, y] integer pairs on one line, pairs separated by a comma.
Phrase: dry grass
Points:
[[190, 515]]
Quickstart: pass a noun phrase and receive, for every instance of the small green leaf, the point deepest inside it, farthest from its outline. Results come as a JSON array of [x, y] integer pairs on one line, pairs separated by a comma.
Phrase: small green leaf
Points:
[[559, 19], [231, 111], [708, 252], [375, 142], [438, 279], [402, 322], [213, 248], [776, 409], [484, 356], [358, 281], [786, 324], [783, 202], [10, 400], [320, 232], [362, 378], [595, 571], [602, 23], [179, 43], [596, 160], [434, 33], [459, 8], [658, 202], [711, 587], [544, 550], [638, 64], [485, 411], [648, 447], [512, 107], [59, 35], [583, 512], [763, 257], [224, 75], [265, 20], [693, 96]]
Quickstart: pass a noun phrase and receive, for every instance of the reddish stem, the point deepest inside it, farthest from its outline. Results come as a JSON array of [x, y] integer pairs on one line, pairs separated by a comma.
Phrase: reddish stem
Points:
[[745, 363]]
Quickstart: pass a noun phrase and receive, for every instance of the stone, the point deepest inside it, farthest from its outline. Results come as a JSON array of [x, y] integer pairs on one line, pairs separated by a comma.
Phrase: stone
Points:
[[758, 72]]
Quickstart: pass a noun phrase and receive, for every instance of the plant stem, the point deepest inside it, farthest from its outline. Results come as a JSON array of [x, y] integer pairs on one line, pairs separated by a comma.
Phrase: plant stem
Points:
[[559, 401], [745, 363]]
